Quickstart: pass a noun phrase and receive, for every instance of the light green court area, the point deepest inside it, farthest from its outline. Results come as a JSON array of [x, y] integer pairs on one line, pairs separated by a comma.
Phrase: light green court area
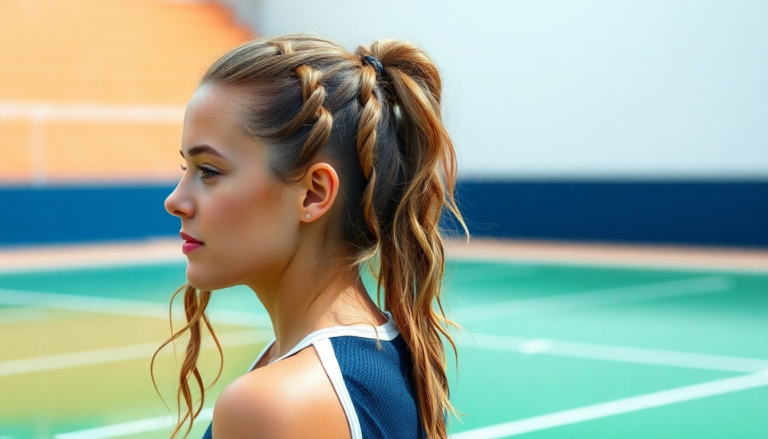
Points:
[[547, 351]]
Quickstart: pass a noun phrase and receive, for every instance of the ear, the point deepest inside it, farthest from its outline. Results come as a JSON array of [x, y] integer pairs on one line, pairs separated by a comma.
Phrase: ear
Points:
[[319, 187]]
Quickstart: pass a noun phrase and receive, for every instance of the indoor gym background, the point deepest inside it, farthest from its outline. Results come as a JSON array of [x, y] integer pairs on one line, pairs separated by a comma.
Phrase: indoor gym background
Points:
[[613, 171]]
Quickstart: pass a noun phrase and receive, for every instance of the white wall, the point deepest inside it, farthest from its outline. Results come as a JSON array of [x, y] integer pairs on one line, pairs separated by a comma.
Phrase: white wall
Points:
[[545, 88]]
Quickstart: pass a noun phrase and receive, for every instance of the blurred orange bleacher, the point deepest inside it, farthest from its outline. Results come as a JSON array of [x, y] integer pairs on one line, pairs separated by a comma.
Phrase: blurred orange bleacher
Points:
[[83, 83]]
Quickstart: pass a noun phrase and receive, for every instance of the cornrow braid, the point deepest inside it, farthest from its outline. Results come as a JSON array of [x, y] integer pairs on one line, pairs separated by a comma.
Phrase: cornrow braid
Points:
[[366, 141], [314, 94], [313, 110]]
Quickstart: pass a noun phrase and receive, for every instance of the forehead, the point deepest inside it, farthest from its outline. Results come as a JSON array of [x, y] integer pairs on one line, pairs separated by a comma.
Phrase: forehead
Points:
[[212, 117]]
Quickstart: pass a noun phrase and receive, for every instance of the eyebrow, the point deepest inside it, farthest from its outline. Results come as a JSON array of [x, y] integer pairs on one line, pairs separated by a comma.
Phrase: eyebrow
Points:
[[200, 149]]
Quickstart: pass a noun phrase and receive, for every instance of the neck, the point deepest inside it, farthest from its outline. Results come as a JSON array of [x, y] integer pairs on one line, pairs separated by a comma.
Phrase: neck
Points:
[[299, 303]]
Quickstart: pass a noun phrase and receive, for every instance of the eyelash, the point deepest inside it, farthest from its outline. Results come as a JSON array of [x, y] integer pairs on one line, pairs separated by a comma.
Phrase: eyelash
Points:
[[207, 173]]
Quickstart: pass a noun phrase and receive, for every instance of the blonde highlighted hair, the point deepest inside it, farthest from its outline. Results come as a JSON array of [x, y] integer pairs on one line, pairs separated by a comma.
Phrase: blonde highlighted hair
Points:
[[308, 98]]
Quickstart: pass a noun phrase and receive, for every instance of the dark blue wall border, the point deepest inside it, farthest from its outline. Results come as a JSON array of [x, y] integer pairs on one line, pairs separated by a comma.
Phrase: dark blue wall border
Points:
[[655, 212], [74, 214], [716, 213]]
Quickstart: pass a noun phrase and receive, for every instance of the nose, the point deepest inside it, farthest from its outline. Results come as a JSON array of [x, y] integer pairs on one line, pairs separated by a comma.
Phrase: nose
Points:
[[178, 204]]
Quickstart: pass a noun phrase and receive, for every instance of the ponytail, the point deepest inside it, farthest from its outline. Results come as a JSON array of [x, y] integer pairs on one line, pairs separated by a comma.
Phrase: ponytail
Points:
[[412, 255]]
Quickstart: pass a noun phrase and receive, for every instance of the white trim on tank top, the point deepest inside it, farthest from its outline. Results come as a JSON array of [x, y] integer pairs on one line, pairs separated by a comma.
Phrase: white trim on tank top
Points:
[[387, 332], [333, 370]]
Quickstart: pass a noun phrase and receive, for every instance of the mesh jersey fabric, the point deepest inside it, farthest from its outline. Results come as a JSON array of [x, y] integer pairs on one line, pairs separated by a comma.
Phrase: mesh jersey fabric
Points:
[[375, 387]]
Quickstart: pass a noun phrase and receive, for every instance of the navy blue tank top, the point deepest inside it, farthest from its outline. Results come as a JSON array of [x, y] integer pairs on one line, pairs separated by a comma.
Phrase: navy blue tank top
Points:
[[375, 387]]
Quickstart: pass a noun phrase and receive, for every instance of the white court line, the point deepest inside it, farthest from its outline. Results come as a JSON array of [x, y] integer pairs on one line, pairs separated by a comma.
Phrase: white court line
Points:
[[133, 427], [558, 302], [626, 405], [120, 353], [699, 285], [82, 303], [616, 353], [125, 307]]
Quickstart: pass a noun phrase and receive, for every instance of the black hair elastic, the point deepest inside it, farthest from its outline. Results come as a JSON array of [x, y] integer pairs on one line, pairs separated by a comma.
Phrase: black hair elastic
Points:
[[375, 63]]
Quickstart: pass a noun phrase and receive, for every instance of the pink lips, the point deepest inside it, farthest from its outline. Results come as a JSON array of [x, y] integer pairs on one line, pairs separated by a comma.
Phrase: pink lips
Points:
[[190, 243]]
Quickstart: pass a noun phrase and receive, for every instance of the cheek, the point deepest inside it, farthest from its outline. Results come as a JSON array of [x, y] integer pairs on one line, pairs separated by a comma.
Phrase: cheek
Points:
[[249, 234], [256, 225]]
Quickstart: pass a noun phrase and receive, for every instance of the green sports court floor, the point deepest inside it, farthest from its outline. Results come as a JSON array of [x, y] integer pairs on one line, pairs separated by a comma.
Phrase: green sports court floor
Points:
[[550, 351]]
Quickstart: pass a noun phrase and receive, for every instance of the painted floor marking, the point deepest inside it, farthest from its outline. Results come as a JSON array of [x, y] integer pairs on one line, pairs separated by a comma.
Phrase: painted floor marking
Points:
[[120, 353], [560, 302], [626, 405], [594, 351], [132, 427], [126, 307]]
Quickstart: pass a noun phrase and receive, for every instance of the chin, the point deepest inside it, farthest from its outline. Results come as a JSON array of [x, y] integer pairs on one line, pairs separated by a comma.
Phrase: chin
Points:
[[203, 281]]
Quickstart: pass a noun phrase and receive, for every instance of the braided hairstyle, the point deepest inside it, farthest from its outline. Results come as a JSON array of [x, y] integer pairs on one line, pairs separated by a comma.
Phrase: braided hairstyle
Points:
[[375, 116]]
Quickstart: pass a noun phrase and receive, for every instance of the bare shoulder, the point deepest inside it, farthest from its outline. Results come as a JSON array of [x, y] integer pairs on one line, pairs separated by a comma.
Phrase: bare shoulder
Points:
[[292, 398]]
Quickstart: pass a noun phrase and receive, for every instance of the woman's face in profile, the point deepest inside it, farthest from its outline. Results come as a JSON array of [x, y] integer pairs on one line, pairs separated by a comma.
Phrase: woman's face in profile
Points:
[[246, 220]]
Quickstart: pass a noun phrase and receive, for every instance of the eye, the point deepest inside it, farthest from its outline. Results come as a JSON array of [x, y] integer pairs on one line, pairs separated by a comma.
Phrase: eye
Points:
[[207, 172], [182, 167]]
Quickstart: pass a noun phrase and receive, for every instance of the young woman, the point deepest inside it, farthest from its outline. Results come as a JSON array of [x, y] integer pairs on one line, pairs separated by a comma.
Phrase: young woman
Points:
[[303, 164]]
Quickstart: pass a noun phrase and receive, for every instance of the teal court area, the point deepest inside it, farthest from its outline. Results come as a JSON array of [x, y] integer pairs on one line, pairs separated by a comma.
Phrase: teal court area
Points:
[[547, 351]]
